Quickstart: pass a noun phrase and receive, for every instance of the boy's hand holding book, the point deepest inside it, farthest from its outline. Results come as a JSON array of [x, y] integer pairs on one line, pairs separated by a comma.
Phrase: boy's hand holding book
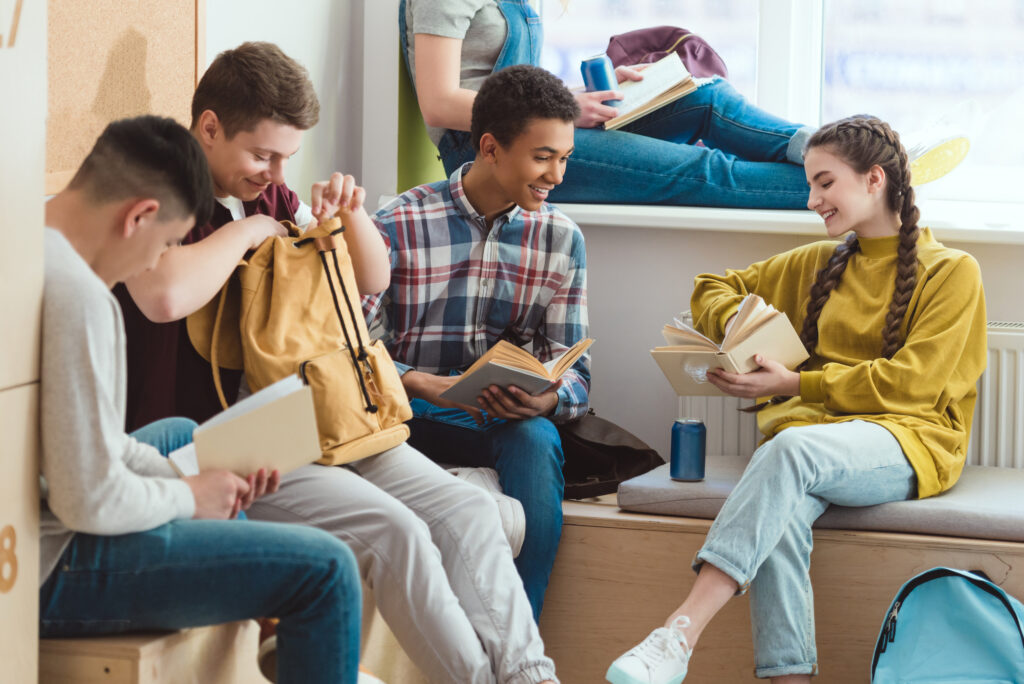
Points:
[[505, 365]]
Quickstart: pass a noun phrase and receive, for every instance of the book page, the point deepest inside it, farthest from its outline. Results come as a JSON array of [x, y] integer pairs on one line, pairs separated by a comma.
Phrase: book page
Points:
[[659, 77], [265, 396], [751, 309], [557, 366]]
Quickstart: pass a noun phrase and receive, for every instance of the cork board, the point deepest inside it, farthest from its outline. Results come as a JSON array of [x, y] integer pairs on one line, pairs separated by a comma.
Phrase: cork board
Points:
[[108, 59]]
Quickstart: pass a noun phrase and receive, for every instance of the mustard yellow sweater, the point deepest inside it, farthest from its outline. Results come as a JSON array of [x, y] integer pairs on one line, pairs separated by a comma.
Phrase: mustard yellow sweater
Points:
[[924, 395]]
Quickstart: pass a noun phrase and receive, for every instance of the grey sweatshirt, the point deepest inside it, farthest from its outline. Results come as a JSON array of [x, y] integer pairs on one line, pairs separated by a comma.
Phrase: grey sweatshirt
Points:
[[96, 479]]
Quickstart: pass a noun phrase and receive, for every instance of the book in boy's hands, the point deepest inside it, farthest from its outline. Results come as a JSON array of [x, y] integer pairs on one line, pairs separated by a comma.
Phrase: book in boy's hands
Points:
[[758, 328], [274, 428], [665, 81], [506, 364]]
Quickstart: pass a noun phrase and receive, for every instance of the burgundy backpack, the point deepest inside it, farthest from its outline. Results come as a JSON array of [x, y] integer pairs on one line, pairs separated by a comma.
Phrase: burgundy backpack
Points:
[[648, 45]]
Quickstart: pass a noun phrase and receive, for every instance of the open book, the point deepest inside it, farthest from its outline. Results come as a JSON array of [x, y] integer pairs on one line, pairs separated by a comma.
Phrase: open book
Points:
[[273, 429], [758, 328], [664, 81], [506, 364]]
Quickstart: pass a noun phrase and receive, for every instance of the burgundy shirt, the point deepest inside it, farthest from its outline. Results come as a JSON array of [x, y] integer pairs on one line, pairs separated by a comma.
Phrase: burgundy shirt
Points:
[[166, 376]]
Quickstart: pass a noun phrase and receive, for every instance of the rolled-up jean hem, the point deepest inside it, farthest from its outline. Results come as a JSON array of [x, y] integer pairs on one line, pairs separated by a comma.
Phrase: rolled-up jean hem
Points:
[[740, 577], [783, 670], [533, 674]]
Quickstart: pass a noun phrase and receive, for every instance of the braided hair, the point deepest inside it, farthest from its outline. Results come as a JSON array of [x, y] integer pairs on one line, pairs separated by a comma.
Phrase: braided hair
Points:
[[862, 142]]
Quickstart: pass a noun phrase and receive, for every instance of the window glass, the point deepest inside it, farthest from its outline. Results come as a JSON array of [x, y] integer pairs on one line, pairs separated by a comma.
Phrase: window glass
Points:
[[583, 28], [943, 66]]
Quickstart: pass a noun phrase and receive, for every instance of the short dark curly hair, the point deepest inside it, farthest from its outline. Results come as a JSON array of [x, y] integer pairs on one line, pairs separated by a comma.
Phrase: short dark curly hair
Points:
[[512, 97]]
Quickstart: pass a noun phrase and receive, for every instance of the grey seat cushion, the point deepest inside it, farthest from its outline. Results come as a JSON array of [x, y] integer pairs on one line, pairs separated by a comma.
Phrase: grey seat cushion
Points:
[[987, 503]]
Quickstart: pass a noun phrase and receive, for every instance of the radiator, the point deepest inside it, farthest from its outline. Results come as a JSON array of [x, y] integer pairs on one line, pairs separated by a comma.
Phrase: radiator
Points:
[[997, 435]]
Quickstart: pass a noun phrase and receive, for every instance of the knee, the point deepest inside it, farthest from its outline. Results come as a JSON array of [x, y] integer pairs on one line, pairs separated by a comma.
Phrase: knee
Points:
[[788, 450], [537, 439]]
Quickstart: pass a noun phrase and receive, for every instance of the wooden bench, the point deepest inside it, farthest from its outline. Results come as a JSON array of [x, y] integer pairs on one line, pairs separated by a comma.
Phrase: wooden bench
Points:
[[619, 574], [223, 654]]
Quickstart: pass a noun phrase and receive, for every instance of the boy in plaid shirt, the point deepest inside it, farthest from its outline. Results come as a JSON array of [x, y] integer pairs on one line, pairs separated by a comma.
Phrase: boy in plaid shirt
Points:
[[480, 258]]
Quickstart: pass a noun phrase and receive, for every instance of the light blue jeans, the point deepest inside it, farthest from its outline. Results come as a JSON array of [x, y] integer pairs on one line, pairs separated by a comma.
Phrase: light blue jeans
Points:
[[749, 158], [762, 536], [190, 573], [528, 457]]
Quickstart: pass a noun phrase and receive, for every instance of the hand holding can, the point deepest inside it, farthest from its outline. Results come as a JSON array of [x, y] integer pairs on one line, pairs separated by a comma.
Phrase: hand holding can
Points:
[[599, 74]]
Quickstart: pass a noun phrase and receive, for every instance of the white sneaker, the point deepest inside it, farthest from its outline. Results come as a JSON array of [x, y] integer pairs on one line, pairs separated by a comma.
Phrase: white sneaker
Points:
[[661, 658], [513, 518]]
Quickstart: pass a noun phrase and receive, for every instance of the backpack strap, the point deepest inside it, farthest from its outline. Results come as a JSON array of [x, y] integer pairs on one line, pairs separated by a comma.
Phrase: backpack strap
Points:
[[329, 243], [213, 346]]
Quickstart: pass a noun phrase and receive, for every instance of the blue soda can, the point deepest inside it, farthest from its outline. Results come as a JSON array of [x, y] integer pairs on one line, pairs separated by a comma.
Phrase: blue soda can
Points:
[[599, 74], [689, 438]]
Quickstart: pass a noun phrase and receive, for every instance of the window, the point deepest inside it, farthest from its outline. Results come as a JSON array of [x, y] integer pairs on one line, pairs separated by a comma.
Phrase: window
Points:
[[934, 67], [583, 29], [953, 66]]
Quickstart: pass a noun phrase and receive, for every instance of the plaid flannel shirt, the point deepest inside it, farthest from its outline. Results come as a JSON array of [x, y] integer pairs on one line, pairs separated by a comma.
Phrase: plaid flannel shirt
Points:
[[457, 288]]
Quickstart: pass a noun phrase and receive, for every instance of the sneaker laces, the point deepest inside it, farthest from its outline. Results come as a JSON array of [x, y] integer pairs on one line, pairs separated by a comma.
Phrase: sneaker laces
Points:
[[664, 643]]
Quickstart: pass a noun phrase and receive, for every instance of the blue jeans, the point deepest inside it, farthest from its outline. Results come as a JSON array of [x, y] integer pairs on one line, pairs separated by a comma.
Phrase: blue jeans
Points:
[[190, 573], [751, 159], [528, 457], [762, 536]]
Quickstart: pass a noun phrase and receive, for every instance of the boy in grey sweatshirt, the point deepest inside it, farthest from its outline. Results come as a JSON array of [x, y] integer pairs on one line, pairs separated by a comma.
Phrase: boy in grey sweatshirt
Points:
[[125, 543]]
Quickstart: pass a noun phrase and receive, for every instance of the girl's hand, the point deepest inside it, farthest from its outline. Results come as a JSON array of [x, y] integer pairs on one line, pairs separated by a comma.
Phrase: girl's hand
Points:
[[771, 379], [592, 112], [630, 73]]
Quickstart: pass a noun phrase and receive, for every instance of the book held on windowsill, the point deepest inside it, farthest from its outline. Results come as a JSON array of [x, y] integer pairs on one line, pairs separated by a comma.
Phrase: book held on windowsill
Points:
[[274, 428], [506, 364], [758, 328], [663, 82]]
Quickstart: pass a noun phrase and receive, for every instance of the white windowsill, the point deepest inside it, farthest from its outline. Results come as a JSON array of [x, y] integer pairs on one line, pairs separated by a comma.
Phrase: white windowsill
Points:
[[979, 222], [950, 221]]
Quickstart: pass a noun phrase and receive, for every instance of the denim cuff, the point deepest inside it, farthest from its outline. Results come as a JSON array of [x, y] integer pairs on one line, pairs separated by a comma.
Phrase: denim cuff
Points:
[[740, 577], [783, 670], [402, 368]]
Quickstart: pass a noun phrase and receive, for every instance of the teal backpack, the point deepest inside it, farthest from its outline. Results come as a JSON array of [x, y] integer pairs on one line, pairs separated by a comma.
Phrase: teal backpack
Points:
[[951, 627]]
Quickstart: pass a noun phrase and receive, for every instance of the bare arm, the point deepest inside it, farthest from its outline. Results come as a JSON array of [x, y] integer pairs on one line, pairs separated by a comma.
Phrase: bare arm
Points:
[[443, 102], [188, 276]]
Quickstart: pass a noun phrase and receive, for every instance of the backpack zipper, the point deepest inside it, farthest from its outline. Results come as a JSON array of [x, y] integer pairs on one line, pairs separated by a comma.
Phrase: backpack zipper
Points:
[[888, 634], [889, 631]]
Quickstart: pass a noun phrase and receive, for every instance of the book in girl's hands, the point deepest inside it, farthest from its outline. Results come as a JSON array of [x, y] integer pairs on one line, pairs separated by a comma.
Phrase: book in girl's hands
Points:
[[758, 328], [274, 428], [506, 364], [664, 81]]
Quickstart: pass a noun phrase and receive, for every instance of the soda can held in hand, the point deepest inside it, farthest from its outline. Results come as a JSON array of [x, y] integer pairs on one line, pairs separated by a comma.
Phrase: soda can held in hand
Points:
[[599, 74], [689, 438]]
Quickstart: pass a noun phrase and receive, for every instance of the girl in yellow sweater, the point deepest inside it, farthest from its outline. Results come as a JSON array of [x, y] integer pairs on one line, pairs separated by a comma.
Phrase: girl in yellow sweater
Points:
[[894, 323]]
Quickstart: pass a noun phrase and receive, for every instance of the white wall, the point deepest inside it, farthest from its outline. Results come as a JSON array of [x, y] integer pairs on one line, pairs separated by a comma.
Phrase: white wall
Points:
[[325, 36]]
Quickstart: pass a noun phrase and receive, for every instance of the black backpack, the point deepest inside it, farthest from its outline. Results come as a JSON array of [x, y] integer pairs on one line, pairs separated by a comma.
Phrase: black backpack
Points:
[[599, 455]]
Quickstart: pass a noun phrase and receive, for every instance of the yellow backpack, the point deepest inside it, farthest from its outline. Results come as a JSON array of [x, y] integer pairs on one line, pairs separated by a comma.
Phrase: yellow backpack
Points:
[[277, 316]]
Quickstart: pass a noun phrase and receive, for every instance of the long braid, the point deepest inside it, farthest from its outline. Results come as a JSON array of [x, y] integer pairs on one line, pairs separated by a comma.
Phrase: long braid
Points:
[[828, 278], [865, 141], [906, 270]]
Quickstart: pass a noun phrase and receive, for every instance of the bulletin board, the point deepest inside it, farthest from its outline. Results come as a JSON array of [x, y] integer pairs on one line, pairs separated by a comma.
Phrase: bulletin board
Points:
[[108, 59]]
